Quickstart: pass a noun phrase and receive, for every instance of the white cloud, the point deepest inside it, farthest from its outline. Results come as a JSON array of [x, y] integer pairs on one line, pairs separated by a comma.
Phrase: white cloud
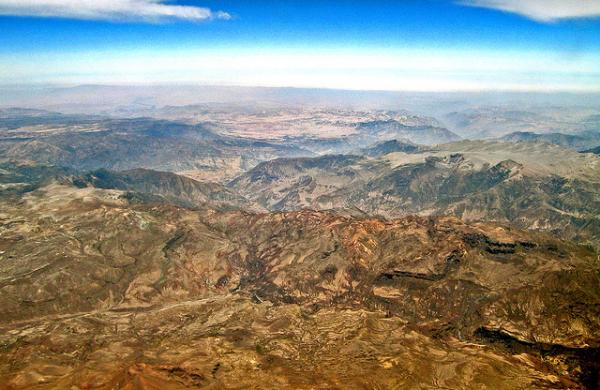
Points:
[[542, 10], [113, 10]]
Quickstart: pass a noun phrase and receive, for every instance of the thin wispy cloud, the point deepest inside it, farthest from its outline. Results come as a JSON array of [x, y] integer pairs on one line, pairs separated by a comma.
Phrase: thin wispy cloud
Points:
[[542, 10], [111, 10]]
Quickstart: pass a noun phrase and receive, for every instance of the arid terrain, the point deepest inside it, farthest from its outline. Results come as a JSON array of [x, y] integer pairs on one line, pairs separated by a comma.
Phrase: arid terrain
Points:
[[260, 245], [99, 292]]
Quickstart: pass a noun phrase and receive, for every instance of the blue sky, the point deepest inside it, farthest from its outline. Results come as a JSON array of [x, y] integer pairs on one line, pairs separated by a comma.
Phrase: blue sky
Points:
[[376, 44]]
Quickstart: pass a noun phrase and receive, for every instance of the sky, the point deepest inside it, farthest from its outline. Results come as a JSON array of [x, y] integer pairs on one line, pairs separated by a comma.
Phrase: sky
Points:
[[435, 45]]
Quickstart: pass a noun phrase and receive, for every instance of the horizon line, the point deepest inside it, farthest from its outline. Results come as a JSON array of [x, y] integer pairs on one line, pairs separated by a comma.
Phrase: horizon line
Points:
[[134, 84]]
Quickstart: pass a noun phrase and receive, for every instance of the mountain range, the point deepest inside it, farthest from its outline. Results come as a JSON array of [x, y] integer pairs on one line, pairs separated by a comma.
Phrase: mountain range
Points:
[[262, 245]]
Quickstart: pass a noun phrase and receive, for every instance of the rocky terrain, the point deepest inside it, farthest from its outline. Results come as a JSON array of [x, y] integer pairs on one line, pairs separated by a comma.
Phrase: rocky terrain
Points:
[[99, 292]]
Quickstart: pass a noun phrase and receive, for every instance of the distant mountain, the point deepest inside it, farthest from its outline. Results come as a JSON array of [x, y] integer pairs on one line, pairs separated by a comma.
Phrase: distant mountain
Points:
[[577, 142], [294, 184], [492, 122], [392, 129], [16, 117], [143, 185], [383, 135], [595, 150], [523, 186], [138, 143], [173, 188], [391, 146], [19, 177]]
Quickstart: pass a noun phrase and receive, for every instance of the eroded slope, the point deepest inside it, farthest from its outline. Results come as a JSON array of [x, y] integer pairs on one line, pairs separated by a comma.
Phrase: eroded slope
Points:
[[96, 292]]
